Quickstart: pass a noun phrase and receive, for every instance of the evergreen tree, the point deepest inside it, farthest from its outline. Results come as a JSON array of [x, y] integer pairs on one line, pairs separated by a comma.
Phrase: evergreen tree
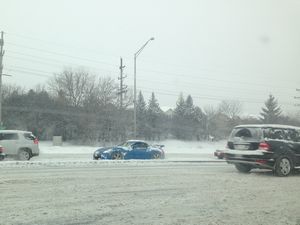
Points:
[[193, 120], [271, 112], [141, 116], [189, 107], [180, 106], [154, 115], [189, 118], [178, 123]]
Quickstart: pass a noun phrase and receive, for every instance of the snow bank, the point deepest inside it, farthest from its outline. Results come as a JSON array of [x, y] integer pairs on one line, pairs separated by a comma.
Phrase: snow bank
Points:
[[46, 147], [192, 147], [70, 155], [171, 146]]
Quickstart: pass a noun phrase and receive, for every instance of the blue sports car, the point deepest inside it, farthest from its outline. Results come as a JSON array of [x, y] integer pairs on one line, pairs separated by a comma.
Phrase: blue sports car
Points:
[[132, 149]]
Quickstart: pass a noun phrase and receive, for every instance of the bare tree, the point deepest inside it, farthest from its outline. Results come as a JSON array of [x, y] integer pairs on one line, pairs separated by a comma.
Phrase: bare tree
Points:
[[106, 90], [8, 90], [75, 85], [230, 108], [104, 93]]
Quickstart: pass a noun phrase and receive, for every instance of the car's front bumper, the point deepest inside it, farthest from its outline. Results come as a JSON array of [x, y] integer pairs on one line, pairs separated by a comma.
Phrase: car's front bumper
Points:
[[2, 156], [219, 154]]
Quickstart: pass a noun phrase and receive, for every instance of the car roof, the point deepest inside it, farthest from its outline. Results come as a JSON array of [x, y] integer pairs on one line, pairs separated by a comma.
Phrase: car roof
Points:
[[14, 131], [268, 126], [135, 141]]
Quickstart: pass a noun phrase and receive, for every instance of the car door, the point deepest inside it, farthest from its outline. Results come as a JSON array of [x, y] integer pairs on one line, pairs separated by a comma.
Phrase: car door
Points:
[[277, 139], [293, 137], [139, 151], [9, 141]]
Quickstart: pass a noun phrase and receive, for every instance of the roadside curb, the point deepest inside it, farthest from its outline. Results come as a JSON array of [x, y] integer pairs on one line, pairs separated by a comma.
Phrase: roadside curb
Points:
[[29, 164]]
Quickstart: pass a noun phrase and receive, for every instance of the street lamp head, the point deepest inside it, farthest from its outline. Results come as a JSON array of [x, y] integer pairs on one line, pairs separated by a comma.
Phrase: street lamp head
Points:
[[152, 39]]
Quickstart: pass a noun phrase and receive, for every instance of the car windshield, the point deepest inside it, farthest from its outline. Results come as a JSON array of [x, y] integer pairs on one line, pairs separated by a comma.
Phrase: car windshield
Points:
[[125, 144]]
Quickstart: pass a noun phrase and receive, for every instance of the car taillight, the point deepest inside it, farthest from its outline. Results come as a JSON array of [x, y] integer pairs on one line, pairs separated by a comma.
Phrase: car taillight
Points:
[[261, 161], [36, 141], [264, 146]]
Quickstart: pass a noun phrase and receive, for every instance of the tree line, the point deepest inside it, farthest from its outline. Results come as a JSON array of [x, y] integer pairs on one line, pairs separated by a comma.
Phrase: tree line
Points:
[[79, 107]]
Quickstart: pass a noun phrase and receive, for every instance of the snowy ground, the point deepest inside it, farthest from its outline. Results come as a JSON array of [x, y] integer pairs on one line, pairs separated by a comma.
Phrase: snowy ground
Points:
[[146, 193], [65, 186]]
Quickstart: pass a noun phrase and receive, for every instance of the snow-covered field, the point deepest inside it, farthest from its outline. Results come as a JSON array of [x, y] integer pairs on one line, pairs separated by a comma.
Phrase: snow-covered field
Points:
[[171, 146], [81, 155]]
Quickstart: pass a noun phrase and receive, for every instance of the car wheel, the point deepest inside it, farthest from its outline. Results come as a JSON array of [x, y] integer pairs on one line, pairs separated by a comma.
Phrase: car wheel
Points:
[[243, 168], [1, 158], [283, 166], [117, 156], [155, 155], [23, 155]]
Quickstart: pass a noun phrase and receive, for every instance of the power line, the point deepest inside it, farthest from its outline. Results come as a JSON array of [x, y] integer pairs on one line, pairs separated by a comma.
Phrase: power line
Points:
[[192, 85], [30, 73], [196, 96], [157, 62], [148, 90], [61, 54], [41, 59], [153, 71], [194, 76], [55, 64], [58, 43], [9, 67], [143, 70]]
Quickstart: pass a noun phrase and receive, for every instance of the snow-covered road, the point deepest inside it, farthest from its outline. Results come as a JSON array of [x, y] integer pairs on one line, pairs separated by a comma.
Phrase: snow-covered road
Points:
[[65, 186], [146, 193]]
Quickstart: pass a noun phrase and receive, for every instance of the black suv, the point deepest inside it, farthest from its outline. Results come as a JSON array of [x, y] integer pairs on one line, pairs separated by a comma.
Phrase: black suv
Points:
[[269, 146]]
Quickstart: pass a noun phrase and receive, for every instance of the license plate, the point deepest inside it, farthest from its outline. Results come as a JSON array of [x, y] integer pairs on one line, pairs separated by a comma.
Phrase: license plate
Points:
[[241, 147]]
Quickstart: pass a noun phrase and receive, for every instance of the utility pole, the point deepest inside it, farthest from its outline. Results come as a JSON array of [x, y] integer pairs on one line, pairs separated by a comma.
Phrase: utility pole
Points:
[[123, 88], [1, 70], [297, 97]]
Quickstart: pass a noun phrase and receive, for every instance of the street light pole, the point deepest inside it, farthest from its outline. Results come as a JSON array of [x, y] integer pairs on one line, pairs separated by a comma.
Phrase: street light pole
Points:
[[1, 73], [134, 101]]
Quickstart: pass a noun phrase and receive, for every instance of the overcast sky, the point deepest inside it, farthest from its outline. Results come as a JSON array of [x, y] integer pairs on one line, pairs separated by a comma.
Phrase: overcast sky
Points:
[[214, 49]]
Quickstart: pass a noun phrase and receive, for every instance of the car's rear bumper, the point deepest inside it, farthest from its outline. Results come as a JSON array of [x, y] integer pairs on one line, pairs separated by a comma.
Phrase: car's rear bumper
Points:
[[257, 158]]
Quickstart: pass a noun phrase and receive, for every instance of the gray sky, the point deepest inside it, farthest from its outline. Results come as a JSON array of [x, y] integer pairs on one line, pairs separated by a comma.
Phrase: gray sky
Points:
[[214, 49]]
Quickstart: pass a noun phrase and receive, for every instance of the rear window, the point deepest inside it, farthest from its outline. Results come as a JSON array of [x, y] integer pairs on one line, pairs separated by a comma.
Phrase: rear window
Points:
[[29, 136], [9, 136], [246, 134]]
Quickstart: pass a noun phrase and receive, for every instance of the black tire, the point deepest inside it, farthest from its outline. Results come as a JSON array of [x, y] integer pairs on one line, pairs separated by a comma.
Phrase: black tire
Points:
[[24, 155], [116, 156], [2, 157], [283, 166], [243, 168], [156, 155]]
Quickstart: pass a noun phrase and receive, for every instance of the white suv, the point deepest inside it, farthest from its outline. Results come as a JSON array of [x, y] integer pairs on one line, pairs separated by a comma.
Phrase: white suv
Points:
[[19, 144]]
